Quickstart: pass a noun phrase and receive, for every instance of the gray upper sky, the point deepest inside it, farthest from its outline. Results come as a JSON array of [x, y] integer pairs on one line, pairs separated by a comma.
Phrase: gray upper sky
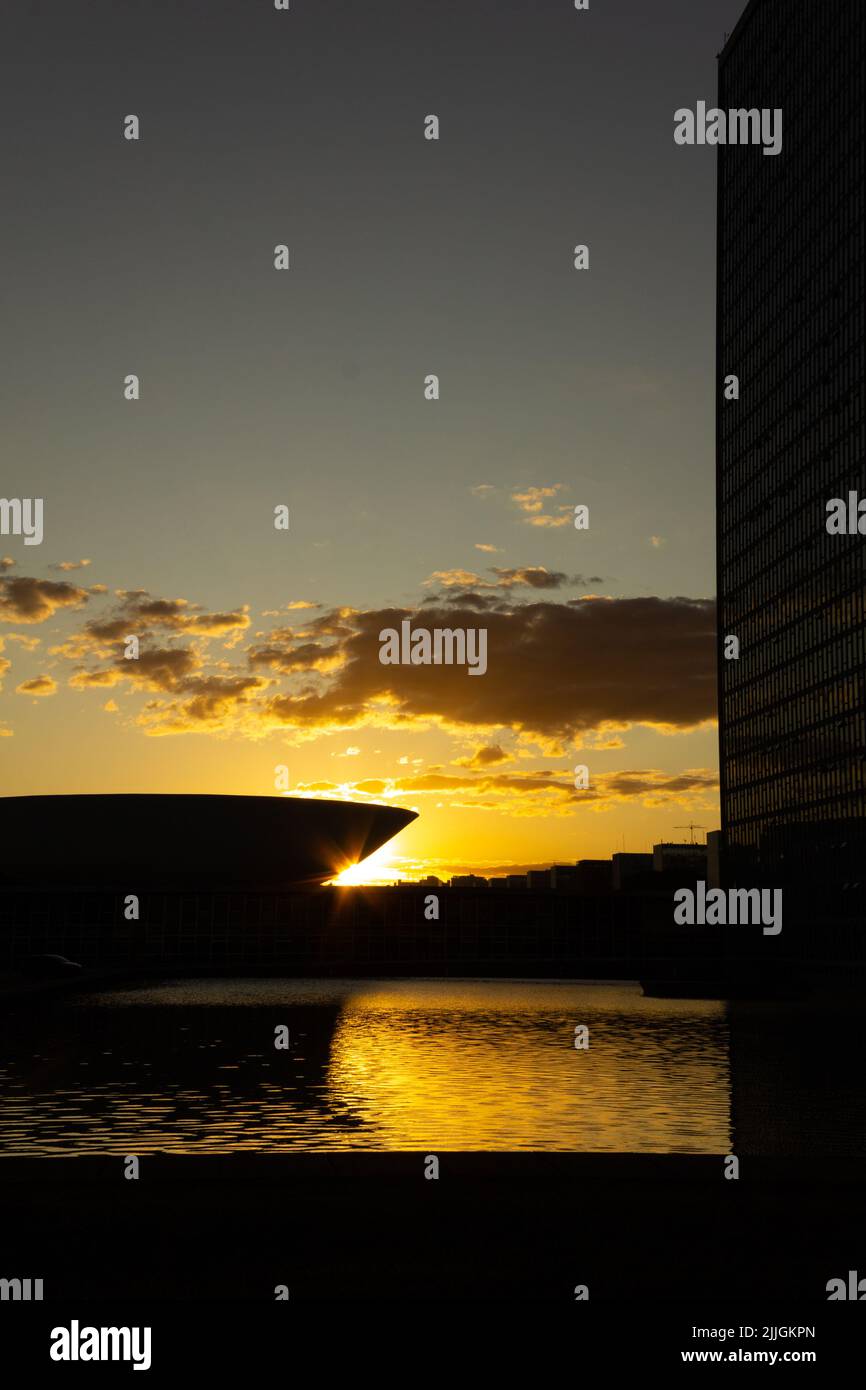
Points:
[[408, 257]]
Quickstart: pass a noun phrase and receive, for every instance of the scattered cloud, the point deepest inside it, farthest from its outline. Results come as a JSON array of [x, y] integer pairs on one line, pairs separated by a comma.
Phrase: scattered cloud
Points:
[[533, 576], [37, 685], [488, 755], [457, 578], [532, 501], [530, 794], [209, 705], [546, 519], [287, 657], [26, 600], [155, 669], [138, 612], [526, 576], [292, 607]]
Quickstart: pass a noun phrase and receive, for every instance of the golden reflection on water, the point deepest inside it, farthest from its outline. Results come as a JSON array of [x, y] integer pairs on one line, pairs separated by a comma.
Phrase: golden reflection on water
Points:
[[190, 1066], [493, 1066]]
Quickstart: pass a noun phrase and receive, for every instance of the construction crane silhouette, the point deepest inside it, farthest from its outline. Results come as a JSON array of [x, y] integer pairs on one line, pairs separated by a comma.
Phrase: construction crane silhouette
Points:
[[691, 827]]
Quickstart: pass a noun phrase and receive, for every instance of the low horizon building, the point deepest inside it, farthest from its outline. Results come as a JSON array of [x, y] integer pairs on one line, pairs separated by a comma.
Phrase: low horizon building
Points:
[[689, 857], [629, 866]]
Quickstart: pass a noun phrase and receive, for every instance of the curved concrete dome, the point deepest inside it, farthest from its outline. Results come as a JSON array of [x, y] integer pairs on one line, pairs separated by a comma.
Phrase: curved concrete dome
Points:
[[204, 843]]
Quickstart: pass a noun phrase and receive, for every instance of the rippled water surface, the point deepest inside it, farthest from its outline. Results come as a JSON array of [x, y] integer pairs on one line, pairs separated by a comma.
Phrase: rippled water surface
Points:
[[191, 1066]]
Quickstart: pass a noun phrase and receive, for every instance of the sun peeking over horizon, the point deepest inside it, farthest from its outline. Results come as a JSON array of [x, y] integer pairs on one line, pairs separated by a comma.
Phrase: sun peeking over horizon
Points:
[[378, 868]]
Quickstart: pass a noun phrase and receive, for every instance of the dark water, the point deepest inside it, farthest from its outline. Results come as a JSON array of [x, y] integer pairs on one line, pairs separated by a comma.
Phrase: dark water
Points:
[[191, 1067]]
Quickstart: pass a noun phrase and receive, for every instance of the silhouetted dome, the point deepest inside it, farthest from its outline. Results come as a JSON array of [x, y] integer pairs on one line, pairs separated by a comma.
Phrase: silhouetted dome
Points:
[[178, 841]]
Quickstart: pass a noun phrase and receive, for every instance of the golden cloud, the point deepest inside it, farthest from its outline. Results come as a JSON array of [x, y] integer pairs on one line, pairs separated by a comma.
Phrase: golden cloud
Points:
[[26, 600], [37, 685], [557, 671]]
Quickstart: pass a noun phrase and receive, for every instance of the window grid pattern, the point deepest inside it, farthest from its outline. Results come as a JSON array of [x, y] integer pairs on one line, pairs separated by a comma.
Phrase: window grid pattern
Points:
[[791, 311]]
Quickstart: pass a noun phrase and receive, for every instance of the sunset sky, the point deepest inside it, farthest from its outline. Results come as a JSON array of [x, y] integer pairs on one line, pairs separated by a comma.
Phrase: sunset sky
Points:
[[306, 388]]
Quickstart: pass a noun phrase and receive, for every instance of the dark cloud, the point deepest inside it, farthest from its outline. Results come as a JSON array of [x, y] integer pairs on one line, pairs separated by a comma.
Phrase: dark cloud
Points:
[[160, 668], [556, 670], [552, 669], [37, 685], [210, 699], [26, 600], [533, 576], [524, 576], [307, 656], [138, 612], [488, 755]]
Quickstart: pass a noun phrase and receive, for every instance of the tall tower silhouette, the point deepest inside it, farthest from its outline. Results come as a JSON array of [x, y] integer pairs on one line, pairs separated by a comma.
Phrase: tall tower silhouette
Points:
[[791, 326]]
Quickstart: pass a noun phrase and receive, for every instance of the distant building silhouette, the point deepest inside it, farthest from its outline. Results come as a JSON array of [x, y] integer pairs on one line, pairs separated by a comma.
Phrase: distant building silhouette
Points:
[[791, 310], [669, 864], [594, 875], [687, 857], [538, 879], [629, 866], [564, 877]]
